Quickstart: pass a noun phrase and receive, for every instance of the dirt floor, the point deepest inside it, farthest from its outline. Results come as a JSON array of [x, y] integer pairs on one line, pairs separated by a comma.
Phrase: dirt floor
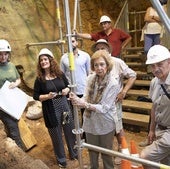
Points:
[[44, 151]]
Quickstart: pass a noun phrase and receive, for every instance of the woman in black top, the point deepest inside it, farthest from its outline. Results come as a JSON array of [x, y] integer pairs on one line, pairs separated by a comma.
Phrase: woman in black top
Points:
[[51, 88]]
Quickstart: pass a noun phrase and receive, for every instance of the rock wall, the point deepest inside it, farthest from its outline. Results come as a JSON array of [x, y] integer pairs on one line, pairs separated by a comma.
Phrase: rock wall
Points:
[[32, 21]]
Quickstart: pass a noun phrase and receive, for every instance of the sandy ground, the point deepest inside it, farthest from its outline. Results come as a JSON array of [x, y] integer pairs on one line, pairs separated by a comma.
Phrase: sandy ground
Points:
[[44, 150]]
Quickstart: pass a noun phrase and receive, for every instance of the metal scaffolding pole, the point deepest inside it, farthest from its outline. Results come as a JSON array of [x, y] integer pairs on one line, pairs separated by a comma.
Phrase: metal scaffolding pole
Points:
[[124, 156], [59, 24], [58, 42], [75, 14], [79, 17], [77, 131], [156, 4]]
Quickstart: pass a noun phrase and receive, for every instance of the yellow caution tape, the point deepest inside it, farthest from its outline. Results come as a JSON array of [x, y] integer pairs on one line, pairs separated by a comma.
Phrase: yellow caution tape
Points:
[[164, 166], [58, 13], [71, 61]]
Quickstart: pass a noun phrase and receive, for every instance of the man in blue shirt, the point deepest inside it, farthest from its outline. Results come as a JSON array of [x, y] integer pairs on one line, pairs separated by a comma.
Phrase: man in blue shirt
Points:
[[82, 67]]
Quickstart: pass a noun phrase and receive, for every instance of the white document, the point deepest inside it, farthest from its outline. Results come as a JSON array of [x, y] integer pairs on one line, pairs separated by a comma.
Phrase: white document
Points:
[[13, 101]]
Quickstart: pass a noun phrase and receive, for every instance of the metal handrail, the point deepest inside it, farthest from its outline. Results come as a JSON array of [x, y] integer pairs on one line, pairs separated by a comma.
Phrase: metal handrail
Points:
[[59, 23], [124, 156], [163, 16], [58, 42]]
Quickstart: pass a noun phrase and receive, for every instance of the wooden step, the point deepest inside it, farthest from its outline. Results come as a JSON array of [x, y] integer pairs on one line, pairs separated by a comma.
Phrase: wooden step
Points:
[[136, 119], [140, 83], [135, 64], [137, 105], [132, 56], [134, 49], [134, 92], [140, 73]]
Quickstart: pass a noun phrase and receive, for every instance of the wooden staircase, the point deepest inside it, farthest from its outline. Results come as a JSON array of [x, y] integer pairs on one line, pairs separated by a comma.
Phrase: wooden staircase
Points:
[[136, 112]]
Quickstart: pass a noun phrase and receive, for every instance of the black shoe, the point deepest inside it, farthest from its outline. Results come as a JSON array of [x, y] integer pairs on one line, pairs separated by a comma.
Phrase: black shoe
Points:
[[62, 165]]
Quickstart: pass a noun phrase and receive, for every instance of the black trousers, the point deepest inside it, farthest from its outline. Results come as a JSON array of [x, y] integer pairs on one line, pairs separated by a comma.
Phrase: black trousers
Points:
[[11, 128]]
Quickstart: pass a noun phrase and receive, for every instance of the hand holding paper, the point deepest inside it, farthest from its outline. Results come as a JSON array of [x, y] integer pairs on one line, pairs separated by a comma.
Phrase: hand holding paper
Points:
[[12, 101]]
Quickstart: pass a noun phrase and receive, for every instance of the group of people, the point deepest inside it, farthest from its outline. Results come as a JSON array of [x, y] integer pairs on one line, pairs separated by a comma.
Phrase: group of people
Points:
[[99, 93]]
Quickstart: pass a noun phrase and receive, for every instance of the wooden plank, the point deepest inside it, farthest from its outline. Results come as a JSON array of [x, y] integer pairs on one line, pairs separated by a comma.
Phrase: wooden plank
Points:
[[135, 64], [140, 83], [131, 56], [140, 73], [136, 119], [137, 105], [138, 92], [26, 135], [134, 48]]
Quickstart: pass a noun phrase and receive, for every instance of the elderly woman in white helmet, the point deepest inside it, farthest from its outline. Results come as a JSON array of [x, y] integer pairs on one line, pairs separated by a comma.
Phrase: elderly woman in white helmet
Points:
[[51, 88], [9, 72], [159, 135]]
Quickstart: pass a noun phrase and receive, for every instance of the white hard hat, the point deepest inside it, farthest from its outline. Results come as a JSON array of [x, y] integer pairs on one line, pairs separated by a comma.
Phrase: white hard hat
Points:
[[45, 51], [4, 46], [102, 41], [105, 18], [157, 53]]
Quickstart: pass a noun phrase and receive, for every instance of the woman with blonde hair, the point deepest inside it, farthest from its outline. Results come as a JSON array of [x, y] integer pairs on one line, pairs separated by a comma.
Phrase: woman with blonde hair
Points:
[[100, 109]]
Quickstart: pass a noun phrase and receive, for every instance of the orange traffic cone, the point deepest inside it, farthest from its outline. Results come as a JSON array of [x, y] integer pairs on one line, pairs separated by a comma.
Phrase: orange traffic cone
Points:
[[134, 153], [133, 149], [124, 146], [125, 164]]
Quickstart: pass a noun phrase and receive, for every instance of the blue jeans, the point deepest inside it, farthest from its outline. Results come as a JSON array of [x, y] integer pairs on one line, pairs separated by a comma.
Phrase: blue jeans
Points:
[[150, 40]]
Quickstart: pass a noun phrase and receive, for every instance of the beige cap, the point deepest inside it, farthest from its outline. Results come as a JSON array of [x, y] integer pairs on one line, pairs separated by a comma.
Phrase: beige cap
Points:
[[93, 48]]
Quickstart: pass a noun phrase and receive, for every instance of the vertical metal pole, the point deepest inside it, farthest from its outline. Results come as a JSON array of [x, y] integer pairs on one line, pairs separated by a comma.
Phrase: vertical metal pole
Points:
[[75, 14], [59, 24], [79, 17], [72, 68], [164, 18]]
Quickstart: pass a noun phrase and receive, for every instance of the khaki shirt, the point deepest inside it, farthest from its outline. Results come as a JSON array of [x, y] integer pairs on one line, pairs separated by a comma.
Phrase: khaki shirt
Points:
[[160, 101]]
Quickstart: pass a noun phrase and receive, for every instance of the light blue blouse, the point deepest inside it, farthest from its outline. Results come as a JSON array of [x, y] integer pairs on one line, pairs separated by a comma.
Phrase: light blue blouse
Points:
[[102, 120]]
